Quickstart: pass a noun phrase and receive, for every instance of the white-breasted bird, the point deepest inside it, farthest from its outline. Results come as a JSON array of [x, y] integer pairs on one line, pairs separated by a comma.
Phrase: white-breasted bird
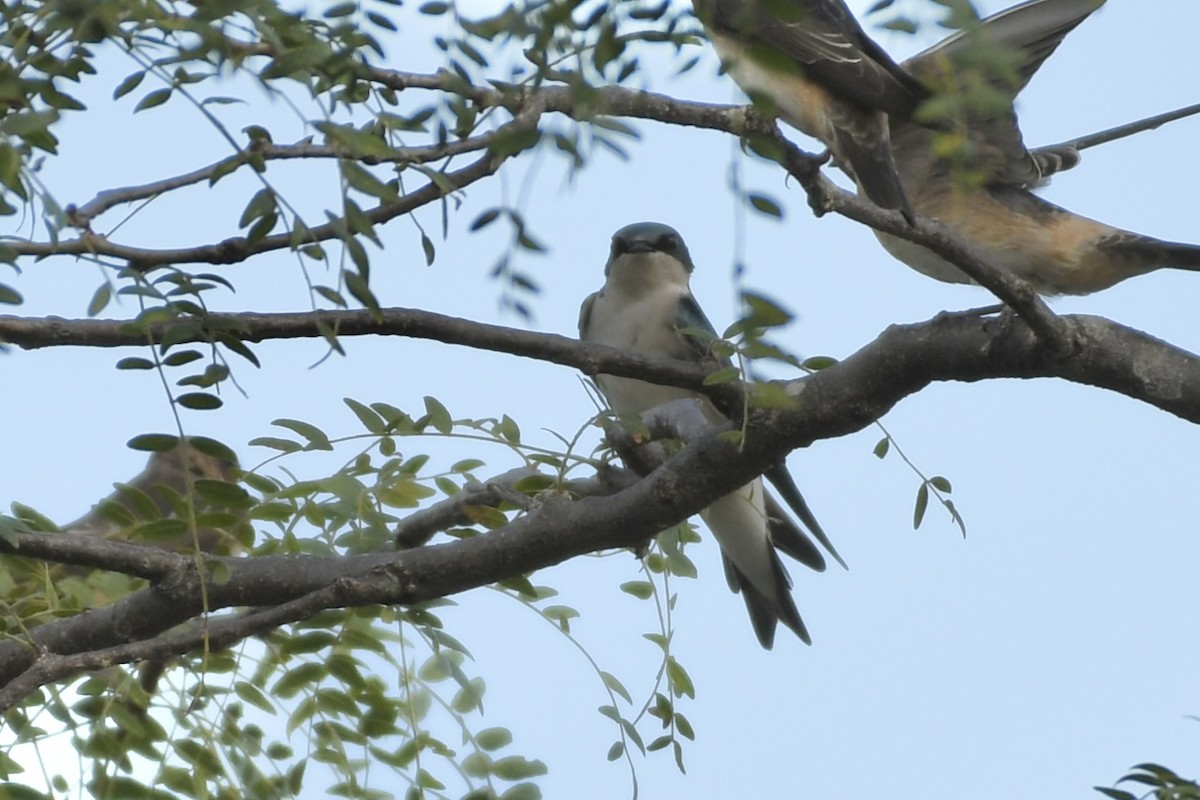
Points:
[[644, 306]]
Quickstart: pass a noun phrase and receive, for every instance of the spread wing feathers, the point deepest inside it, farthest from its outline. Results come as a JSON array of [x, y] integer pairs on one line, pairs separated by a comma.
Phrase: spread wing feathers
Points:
[[767, 612], [792, 541], [1033, 29], [1030, 32], [824, 37]]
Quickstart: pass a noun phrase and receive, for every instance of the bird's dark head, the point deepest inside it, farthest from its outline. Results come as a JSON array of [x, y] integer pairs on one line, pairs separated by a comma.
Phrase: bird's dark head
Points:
[[649, 238]]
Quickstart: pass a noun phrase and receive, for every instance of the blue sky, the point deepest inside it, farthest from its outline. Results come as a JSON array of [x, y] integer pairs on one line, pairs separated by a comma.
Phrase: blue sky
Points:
[[1048, 652]]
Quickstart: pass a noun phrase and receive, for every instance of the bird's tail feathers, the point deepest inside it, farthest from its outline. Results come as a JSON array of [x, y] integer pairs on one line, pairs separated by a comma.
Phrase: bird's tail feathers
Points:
[[781, 479], [1147, 253], [767, 612]]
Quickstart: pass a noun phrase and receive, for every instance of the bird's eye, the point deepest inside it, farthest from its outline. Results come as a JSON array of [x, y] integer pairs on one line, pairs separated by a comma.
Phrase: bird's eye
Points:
[[668, 242], [618, 247]]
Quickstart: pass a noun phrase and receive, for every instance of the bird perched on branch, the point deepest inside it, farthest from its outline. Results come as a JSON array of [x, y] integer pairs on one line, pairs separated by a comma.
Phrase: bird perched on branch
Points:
[[813, 65], [158, 494], [646, 306]]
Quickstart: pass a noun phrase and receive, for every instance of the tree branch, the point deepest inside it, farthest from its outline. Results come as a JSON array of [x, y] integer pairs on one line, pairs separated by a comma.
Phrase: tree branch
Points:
[[836, 401], [584, 103], [238, 249], [267, 151]]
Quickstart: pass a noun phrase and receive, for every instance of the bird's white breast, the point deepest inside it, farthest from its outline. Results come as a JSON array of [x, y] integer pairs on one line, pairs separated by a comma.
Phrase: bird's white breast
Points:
[[638, 310]]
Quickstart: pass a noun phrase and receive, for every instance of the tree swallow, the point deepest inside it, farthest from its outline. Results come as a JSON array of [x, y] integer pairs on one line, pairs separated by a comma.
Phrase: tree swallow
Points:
[[817, 69], [985, 198], [644, 306]]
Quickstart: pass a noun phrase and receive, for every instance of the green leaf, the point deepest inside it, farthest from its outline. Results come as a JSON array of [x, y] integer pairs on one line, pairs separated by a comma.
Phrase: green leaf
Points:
[[285, 445], [882, 447], [223, 493], [199, 401], [404, 494], [1115, 794], [153, 442], [261, 205], [181, 357], [135, 362], [642, 590], [32, 518], [484, 219], [317, 440], [297, 678], [817, 363], [492, 739], [922, 504], [100, 299], [155, 98], [765, 205], [523, 791], [681, 682], [685, 727], [765, 313], [254, 696], [723, 375], [126, 86], [438, 416], [160, 529], [514, 768], [370, 419], [508, 429], [941, 484], [560, 614], [615, 686]]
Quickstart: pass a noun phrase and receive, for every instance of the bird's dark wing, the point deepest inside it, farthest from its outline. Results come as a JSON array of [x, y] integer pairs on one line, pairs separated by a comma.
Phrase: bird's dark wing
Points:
[[1033, 30], [585, 315], [784, 534], [690, 317], [1021, 39], [824, 39]]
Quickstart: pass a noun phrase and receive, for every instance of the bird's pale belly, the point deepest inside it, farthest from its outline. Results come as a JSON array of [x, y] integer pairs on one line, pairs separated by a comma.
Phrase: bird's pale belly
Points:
[[1053, 251], [630, 396]]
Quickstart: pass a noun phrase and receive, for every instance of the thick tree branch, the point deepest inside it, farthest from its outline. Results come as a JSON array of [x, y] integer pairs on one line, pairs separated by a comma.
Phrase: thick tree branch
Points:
[[415, 323], [1083, 333], [833, 402]]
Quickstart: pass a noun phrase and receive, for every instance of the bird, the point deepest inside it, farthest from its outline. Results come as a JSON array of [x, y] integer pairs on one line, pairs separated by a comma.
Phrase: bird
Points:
[[645, 306], [986, 199], [160, 492], [815, 67]]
